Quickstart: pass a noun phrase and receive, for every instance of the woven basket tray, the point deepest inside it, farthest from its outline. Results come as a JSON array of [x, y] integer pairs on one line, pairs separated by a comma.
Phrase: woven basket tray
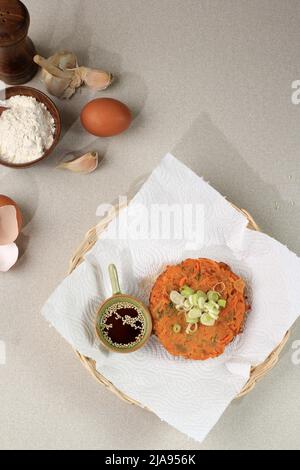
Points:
[[257, 373]]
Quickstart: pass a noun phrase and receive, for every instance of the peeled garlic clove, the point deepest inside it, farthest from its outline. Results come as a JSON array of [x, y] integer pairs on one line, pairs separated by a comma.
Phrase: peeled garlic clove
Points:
[[98, 80], [8, 257], [85, 164], [9, 228]]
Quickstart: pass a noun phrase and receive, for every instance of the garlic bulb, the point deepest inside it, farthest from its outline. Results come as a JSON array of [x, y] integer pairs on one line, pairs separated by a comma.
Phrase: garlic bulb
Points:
[[62, 75], [55, 73], [10, 225], [85, 164]]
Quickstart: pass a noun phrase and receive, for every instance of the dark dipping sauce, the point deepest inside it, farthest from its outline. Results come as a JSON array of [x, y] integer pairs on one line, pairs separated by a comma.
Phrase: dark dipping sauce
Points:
[[123, 325]]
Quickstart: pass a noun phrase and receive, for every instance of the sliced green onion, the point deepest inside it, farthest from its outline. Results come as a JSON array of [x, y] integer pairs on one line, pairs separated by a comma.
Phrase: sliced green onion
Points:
[[202, 294], [193, 299], [207, 320], [201, 303], [186, 305], [176, 328], [222, 303], [179, 307], [213, 314], [194, 314], [211, 306], [198, 306], [176, 298], [191, 329], [186, 291], [213, 295], [192, 320]]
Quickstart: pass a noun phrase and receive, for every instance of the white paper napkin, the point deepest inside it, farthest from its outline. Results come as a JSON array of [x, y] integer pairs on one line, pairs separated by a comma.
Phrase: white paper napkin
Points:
[[190, 395]]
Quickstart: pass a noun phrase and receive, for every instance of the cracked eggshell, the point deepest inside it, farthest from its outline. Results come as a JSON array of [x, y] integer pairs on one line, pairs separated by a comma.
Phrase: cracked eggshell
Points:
[[7, 201], [8, 257], [9, 229]]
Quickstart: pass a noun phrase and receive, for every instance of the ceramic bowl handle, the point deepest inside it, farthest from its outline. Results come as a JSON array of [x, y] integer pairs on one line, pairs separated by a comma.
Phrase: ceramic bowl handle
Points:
[[114, 279]]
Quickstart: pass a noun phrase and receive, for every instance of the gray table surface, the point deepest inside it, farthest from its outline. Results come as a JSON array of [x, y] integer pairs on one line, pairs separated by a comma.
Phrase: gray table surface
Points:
[[209, 80]]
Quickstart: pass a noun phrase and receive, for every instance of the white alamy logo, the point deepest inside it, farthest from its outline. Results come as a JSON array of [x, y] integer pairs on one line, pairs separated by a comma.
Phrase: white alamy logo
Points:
[[2, 353], [296, 354], [155, 221], [296, 93]]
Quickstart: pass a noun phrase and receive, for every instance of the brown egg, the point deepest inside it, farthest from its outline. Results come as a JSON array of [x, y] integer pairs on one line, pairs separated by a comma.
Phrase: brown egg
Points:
[[106, 117], [6, 201]]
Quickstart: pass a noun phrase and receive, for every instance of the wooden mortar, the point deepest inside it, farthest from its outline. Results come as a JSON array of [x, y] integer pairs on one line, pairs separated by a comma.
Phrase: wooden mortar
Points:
[[16, 49]]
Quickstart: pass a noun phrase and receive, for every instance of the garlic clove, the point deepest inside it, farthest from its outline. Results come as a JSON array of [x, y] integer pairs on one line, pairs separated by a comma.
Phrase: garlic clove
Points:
[[53, 69], [8, 257], [63, 88], [98, 80], [9, 228], [68, 92], [85, 164], [59, 80], [76, 81], [58, 87], [64, 60]]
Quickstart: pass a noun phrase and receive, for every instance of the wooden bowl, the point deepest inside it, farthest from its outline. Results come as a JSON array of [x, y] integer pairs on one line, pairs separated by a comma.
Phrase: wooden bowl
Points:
[[42, 98]]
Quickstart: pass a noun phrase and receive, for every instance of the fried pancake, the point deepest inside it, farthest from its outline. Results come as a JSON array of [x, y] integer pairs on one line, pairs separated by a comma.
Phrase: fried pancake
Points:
[[208, 341]]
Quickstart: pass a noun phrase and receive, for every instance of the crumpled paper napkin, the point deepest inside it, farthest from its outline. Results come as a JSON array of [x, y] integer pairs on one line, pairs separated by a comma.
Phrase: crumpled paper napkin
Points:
[[189, 395]]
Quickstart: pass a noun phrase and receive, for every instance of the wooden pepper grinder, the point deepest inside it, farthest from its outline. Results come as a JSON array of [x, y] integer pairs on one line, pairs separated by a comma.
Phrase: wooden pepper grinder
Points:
[[16, 49]]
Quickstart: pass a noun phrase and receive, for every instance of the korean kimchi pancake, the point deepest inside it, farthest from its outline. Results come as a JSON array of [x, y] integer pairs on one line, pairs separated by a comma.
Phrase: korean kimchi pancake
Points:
[[207, 341]]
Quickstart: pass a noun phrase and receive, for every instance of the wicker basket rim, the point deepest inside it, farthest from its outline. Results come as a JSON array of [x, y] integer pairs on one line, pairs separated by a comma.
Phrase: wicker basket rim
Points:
[[257, 372]]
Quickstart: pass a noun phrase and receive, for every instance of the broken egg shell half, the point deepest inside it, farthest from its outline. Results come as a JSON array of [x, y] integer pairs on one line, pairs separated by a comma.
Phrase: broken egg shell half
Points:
[[9, 228], [7, 201], [8, 257], [11, 222]]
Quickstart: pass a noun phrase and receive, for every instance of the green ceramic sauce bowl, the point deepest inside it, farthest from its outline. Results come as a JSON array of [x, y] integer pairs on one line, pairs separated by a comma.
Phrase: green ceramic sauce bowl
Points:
[[123, 323]]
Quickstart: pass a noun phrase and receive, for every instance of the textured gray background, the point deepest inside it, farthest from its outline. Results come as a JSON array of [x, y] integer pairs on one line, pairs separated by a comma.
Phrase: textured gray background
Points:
[[211, 81]]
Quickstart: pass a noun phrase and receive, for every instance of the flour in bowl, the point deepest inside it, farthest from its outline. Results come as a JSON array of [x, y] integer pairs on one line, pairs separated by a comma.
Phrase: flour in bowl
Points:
[[26, 130]]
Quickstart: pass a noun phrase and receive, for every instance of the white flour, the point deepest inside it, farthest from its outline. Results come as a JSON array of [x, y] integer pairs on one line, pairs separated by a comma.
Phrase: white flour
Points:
[[26, 130]]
